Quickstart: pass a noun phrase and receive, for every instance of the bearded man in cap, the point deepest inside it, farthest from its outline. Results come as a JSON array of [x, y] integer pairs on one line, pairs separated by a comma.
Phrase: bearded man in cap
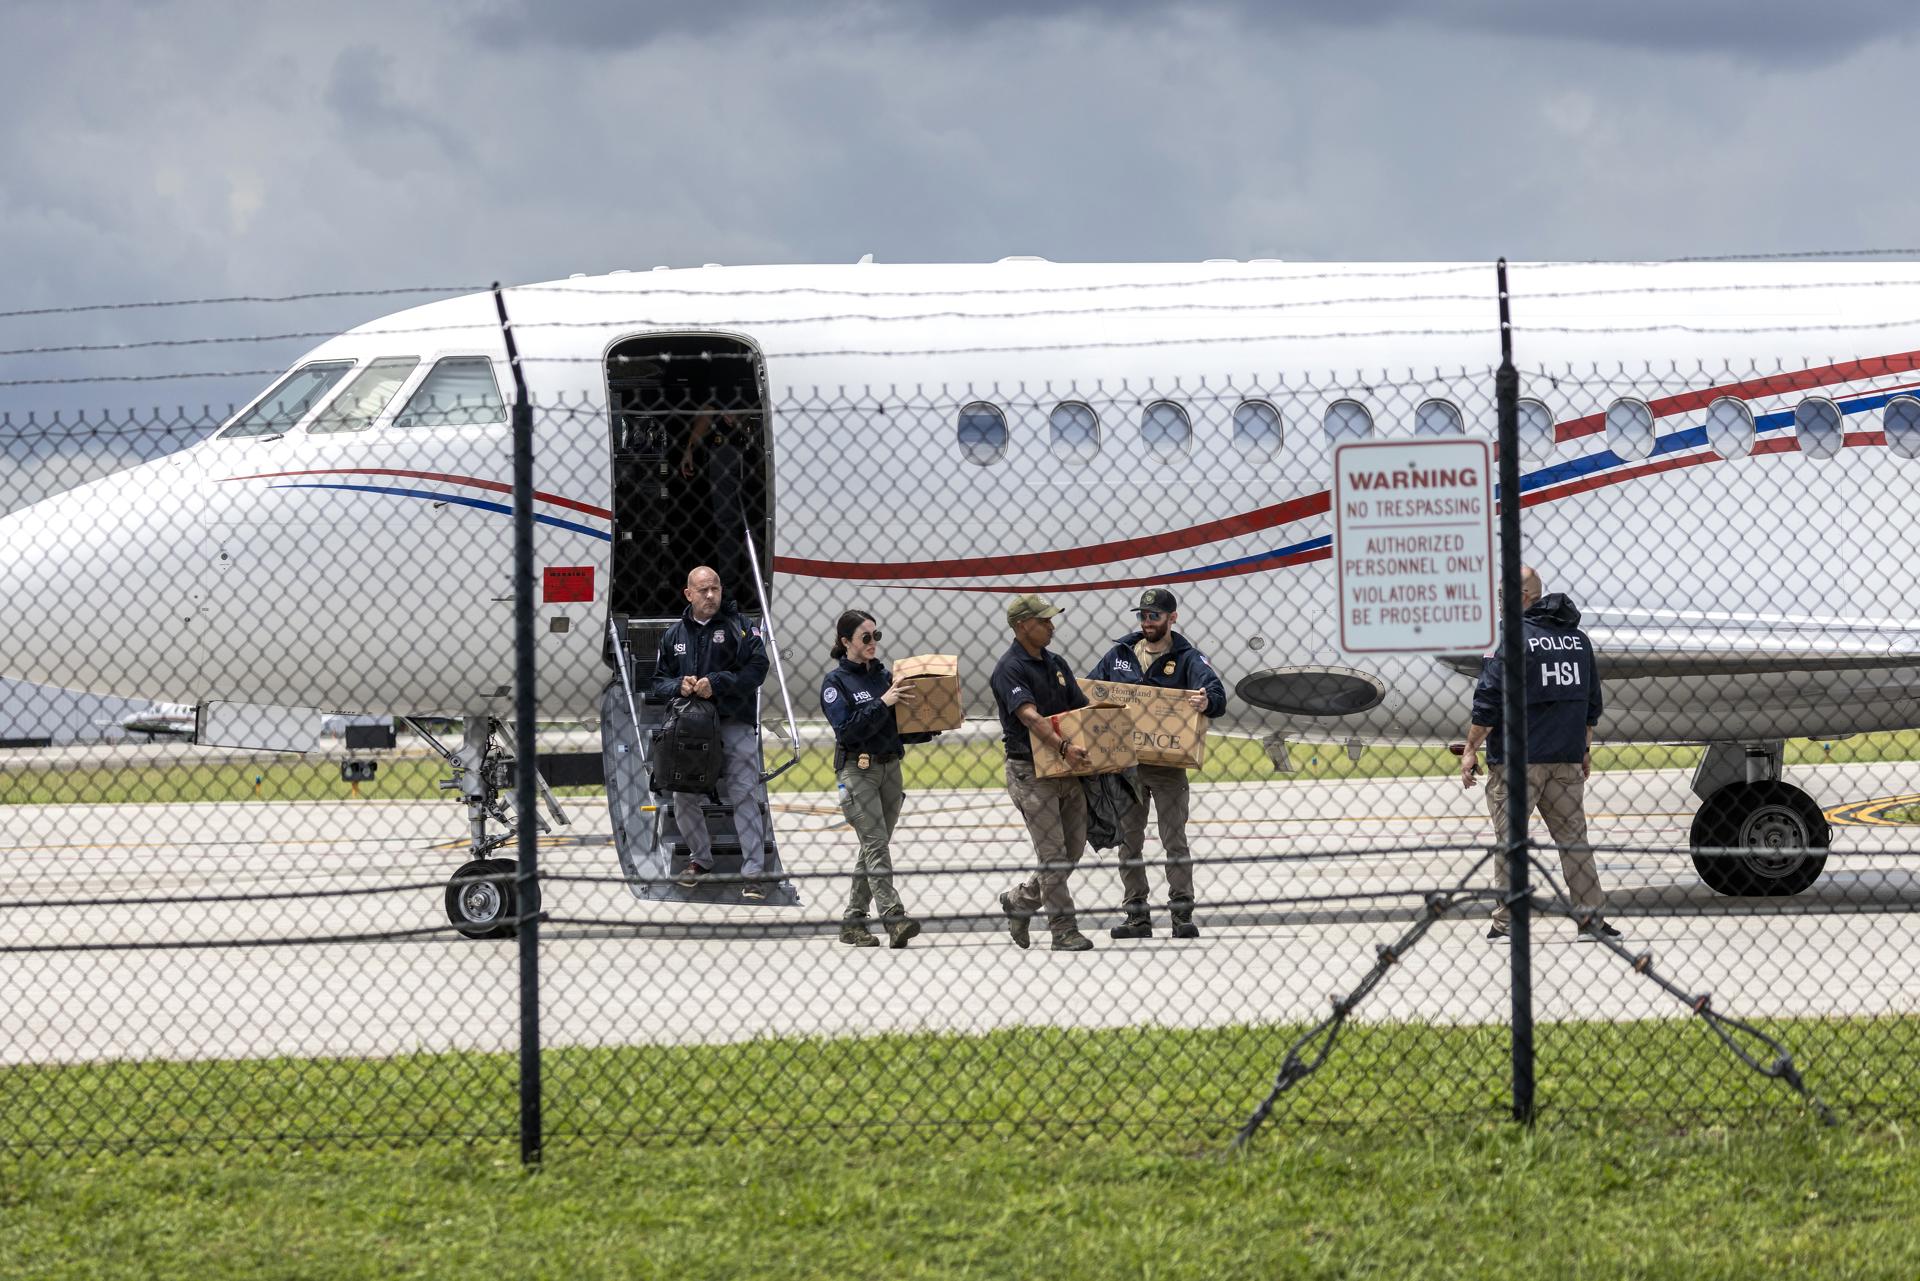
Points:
[[1031, 684], [1155, 654]]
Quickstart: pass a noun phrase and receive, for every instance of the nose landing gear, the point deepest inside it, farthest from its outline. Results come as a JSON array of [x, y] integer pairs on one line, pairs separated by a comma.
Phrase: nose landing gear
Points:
[[485, 899]]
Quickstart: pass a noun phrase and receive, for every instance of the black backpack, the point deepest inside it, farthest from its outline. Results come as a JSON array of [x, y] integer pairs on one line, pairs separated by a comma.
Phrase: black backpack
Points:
[[687, 752]]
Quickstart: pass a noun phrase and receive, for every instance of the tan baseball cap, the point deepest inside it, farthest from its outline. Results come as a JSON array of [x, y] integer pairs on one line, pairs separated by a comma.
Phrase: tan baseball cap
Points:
[[1021, 608]]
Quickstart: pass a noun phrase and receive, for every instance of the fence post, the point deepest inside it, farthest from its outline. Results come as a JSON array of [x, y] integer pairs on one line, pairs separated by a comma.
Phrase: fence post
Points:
[[1513, 717], [526, 883]]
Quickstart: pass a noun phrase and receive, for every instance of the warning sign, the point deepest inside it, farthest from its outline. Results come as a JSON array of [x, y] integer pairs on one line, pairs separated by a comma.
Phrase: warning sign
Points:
[[1413, 545]]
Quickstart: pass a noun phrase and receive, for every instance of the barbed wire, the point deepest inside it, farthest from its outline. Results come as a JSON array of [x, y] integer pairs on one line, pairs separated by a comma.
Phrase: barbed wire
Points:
[[390, 291], [883, 318]]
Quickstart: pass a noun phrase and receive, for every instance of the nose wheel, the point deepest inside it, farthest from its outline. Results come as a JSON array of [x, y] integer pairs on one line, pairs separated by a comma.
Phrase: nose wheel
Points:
[[1760, 840], [483, 899]]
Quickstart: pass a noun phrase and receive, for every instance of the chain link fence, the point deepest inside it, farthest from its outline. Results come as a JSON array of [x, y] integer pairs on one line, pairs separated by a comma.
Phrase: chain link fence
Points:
[[265, 878]]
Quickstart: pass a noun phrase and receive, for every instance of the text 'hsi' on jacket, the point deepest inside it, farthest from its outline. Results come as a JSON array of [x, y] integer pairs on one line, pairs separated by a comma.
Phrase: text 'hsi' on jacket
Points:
[[726, 649]]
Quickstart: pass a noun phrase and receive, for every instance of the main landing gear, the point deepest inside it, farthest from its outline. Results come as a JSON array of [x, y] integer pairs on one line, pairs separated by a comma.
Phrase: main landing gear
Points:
[[1755, 835], [484, 898]]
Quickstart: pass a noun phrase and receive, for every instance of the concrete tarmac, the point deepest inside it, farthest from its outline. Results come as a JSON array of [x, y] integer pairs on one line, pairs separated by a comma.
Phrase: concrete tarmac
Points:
[[114, 952]]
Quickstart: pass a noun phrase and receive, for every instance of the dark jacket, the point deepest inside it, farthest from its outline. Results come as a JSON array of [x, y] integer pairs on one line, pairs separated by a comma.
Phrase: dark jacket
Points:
[[850, 696], [1046, 682], [1562, 682], [726, 649], [1190, 670]]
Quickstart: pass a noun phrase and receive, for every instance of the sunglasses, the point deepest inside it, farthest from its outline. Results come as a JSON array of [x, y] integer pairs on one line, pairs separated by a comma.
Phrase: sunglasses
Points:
[[1152, 615], [867, 638]]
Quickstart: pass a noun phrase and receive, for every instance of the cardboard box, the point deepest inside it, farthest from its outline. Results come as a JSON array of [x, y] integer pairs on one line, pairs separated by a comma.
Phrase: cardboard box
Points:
[[1167, 730], [936, 678], [1104, 729]]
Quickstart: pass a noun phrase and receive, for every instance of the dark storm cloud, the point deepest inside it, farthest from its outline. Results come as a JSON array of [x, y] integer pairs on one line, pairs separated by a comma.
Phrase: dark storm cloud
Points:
[[1784, 32], [360, 92]]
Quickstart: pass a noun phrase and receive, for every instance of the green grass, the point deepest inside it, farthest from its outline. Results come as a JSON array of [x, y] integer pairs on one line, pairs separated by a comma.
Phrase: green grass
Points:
[[1108, 1163], [937, 764], [1183, 1085]]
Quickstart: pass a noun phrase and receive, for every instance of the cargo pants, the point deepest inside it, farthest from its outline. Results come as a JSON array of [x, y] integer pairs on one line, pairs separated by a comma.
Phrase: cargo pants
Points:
[[1165, 788], [871, 803], [1558, 793], [740, 787], [1055, 811]]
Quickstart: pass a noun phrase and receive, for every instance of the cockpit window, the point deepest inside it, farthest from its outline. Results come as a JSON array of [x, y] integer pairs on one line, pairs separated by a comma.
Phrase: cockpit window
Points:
[[355, 408], [290, 400], [460, 392]]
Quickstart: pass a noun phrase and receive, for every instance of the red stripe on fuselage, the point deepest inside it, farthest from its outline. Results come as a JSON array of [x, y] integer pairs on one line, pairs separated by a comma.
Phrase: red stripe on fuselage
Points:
[[1772, 385], [786, 565], [1073, 557], [1777, 445], [494, 486]]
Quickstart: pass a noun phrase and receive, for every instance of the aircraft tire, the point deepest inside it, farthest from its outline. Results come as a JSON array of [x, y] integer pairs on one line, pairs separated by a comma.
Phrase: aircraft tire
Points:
[[1766, 816], [478, 908]]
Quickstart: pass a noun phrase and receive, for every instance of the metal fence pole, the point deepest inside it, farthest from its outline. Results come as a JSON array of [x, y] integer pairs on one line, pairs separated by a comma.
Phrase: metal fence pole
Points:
[[526, 883], [1514, 715]]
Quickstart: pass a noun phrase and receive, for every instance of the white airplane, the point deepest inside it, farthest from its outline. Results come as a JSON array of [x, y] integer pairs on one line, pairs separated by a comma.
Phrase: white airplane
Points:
[[158, 720], [1718, 467]]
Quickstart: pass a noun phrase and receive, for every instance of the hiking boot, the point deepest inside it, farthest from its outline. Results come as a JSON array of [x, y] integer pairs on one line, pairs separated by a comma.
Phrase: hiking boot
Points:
[[754, 892], [1496, 932], [1138, 925], [900, 929], [1017, 922], [856, 934], [1596, 930], [1183, 926], [691, 874], [1072, 941]]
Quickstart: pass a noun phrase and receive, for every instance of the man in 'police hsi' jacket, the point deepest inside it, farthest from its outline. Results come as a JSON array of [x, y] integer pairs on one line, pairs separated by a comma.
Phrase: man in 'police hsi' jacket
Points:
[[1563, 706]]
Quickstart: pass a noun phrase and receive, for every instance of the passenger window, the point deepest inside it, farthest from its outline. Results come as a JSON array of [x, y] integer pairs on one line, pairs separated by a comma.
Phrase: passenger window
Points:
[[1816, 421], [1902, 420], [1348, 420], [1630, 428], [1438, 418], [290, 400], [1166, 430], [982, 433], [1256, 428], [355, 408], [1730, 428], [1535, 432], [1076, 431], [460, 392]]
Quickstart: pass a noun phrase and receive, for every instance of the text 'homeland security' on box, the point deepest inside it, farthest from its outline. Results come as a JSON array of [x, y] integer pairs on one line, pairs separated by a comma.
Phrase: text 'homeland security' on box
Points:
[[1104, 729], [936, 678], [1167, 728]]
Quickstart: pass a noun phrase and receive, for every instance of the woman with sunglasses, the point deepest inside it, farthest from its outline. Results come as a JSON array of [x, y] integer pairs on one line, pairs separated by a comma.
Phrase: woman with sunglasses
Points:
[[858, 697]]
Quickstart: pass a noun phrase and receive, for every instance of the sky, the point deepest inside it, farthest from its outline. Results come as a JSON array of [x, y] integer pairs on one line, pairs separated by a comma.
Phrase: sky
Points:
[[162, 149], [179, 149]]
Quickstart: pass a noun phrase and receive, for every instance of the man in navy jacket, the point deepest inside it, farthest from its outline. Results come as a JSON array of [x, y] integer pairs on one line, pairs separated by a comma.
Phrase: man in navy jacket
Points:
[[1158, 655], [715, 653], [1563, 705]]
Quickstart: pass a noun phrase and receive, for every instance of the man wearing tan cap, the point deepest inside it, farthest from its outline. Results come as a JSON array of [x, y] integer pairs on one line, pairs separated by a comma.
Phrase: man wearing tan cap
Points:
[[1030, 686]]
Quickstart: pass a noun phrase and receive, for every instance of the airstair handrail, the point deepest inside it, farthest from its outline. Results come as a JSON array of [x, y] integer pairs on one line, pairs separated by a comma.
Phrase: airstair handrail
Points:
[[773, 652]]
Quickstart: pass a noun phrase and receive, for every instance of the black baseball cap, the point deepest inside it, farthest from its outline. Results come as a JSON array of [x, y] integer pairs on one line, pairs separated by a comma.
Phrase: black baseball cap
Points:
[[1156, 598]]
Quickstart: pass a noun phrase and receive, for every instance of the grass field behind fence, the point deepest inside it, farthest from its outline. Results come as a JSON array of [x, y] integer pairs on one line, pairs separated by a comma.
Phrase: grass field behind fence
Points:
[[1062, 1154], [975, 764], [1188, 1087]]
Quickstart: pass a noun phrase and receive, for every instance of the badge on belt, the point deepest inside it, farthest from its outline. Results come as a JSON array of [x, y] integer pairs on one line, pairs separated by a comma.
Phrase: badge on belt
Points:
[[865, 760]]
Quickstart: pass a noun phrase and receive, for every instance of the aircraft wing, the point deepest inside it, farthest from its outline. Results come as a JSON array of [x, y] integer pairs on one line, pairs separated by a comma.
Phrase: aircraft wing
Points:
[[1630, 649]]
